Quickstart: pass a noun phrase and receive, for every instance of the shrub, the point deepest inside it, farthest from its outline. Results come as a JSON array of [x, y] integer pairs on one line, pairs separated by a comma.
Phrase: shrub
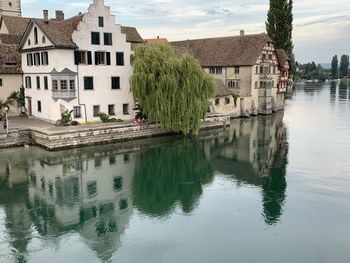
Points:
[[66, 117]]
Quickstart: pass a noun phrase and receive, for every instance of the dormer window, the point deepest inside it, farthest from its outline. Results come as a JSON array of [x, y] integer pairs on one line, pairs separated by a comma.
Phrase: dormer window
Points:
[[35, 35], [43, 40]]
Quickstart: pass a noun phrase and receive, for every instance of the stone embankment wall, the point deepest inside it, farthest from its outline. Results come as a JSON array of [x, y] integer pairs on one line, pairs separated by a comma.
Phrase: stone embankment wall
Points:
[[83, 136]]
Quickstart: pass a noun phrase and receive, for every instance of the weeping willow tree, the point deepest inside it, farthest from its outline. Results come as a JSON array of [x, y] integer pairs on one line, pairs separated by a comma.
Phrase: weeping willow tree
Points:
[[171, 90]]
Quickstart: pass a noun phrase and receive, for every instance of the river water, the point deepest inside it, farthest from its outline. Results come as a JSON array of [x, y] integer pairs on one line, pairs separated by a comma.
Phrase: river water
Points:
[[268, 189]]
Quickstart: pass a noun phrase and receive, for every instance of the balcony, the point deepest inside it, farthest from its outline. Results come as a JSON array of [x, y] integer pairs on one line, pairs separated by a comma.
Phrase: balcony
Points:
[[64, 94]]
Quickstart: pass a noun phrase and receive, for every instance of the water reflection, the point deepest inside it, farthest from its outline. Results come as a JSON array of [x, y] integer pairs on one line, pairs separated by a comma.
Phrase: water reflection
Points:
[[93, 191]]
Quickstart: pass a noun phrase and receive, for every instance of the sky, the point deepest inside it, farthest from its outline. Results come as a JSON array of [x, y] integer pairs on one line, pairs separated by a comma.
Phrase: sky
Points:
[[321, 27]]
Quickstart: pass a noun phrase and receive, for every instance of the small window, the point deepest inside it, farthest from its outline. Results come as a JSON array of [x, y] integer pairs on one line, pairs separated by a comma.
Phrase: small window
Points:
[[112, 160], [236, 70], [35, 35], [125, 109], [91, 188], [37, 59], [46, 83], [88, 83], [120, 59], [10, 4], [257, 69], [126, 158], [108, 39], [256, 84], [43, 40], [77, 111], [123, 204], [118, 183], [95, 38], [115, 82], [30, 59], [0, 82], [72, 84], [270, 57], [44, 58], [55, 84], [100, 21], [39, 106], [111, 110], [101, 58], [96, 110], [217, 102], [227, 100], [98, 162], [63, 84], [29, 42], [38, 82], [28, 81]]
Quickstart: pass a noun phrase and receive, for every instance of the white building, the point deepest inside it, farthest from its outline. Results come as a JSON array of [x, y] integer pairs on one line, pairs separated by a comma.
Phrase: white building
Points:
[[80, 64]]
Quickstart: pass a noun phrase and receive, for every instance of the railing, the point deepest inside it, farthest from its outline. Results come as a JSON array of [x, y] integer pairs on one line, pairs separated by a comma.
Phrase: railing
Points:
[[64, 94]]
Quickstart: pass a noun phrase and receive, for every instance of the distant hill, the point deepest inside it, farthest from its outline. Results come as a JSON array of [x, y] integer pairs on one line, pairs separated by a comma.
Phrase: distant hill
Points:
[[326, 65]]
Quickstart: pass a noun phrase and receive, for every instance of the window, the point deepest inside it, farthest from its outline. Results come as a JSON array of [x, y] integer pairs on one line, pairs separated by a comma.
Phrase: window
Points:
[[30, 59], [215, 70], [35, 35], [38, 82], [233, 84], [72, 84], [44, 58], [274, 70], [115, 82], [217, 102], [111, 109], [98, 162], [88, 83], [257, 69], [256, 84], [37, 59], [96, 110], [107, 39], [123, 204], [39, 106], [100, 21], [120, 59], [112, 160], [91, 188], [95, 38], [125, 109], [46, 83], [28, 81], [126, 158], [55, 84], [227, 100], [76, 111], [0, 82], [236, 70], [29, 43], [43, 40], [270, 57], [118, 183], [102, 58], [10, 4], [63, 84]]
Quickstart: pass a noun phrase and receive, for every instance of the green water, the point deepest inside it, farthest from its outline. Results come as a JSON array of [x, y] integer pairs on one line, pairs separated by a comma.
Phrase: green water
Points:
[[269, 189]]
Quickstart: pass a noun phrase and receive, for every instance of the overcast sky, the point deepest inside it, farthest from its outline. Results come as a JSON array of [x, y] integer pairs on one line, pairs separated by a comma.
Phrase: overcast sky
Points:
[[321, 27]]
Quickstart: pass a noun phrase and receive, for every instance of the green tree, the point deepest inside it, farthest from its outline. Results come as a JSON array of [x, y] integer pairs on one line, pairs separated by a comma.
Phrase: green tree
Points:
[[335, 67], [344, 66], [279, 25], [171, 90]]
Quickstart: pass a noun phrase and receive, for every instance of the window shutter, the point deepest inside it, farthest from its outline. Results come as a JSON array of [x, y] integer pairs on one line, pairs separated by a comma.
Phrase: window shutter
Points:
[[108, 58], [89, 58], [76, 57], [96, 58]]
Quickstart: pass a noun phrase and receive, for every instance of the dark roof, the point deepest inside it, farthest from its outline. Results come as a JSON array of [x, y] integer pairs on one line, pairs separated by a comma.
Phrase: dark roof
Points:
[[10, 60], [132, 35], [282, 57], [9, 39], [227, 51], [221, 89], [15, 25]]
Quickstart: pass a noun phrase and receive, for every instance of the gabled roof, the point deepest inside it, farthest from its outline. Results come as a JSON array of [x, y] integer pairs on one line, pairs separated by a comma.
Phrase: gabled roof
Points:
[[132, 35], [10, 60], [15, 25], [227, 51], [282, 57]]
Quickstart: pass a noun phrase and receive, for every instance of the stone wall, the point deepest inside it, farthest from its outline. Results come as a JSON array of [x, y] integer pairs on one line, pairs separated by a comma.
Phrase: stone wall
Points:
[[15, 138]]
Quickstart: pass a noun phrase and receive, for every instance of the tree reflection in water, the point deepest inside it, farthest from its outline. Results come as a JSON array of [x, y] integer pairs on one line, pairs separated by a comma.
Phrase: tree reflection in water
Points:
[[169, 173]]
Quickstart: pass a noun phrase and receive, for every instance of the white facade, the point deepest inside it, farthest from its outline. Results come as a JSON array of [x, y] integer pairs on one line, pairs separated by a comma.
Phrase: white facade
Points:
[[79, 78]]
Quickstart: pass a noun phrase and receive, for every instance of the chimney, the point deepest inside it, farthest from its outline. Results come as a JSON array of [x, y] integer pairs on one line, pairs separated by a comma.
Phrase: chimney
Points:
[[46, 15], [241, 33], [59, 15]]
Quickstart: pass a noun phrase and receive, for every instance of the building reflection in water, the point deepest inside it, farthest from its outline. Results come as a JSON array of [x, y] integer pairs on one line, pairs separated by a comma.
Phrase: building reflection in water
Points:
[[93, 191], [254, 151]]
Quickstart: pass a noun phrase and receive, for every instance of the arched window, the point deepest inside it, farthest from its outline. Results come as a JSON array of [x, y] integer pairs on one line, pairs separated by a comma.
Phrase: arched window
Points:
[[43, 40], [35, 35], [29, 43]]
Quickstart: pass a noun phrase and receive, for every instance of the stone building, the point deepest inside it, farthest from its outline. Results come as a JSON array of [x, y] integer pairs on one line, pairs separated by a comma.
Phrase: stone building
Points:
[[247, 64], [10, 8], [80, 64]]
